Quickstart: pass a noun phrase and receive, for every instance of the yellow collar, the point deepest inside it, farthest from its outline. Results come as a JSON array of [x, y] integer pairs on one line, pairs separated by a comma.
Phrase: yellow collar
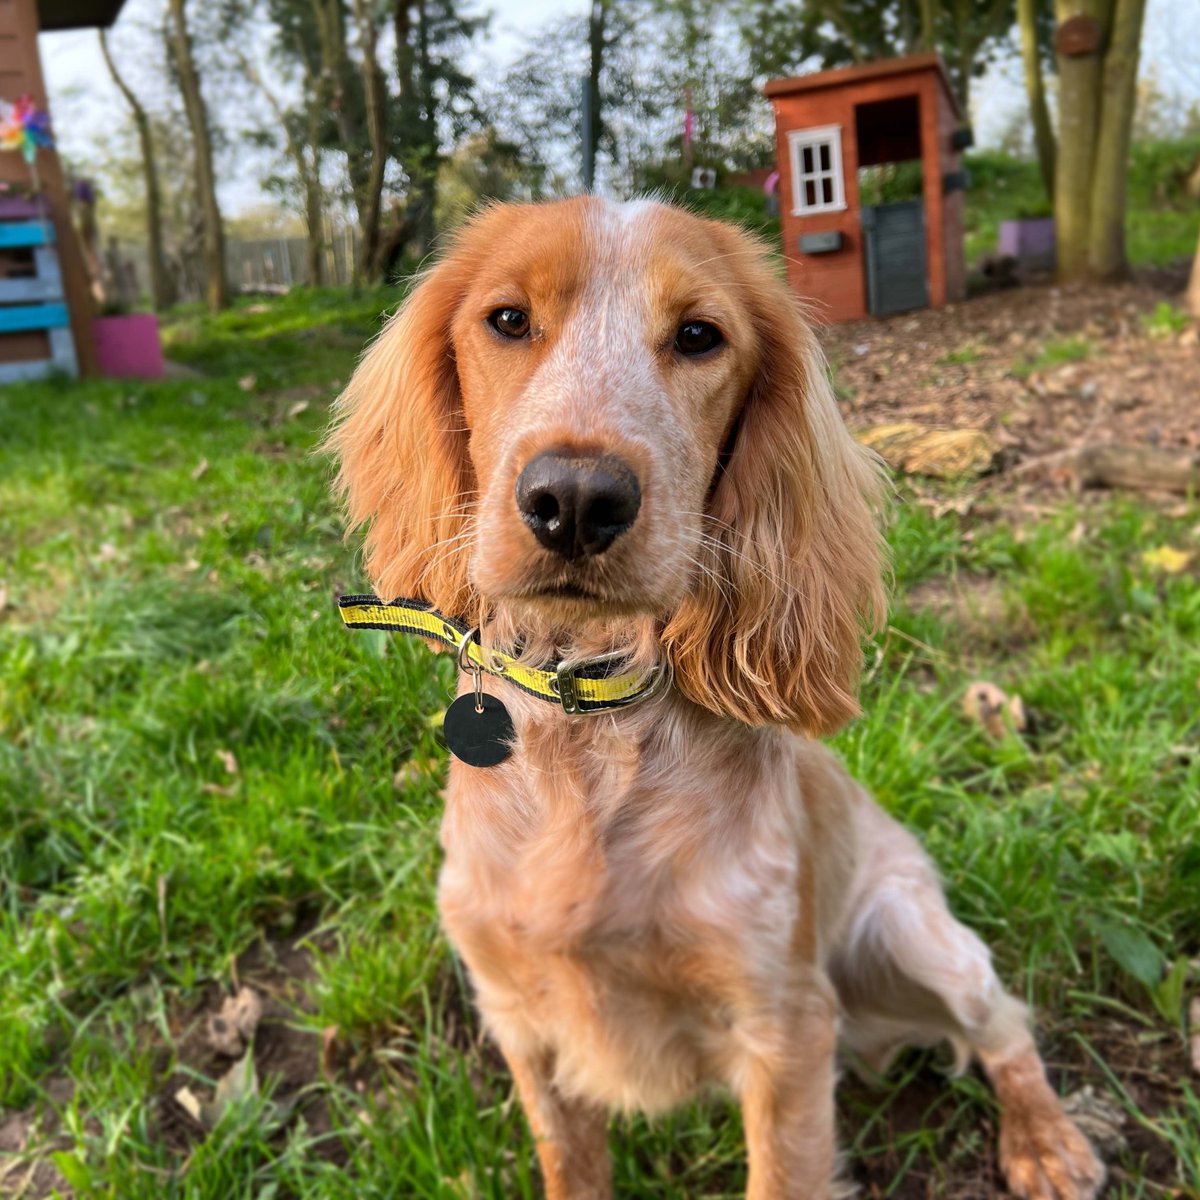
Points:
[[581, 688]]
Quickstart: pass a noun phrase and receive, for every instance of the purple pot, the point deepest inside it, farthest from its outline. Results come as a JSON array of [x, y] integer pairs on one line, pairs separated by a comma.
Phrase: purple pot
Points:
[[1030, 241], [128, 347]]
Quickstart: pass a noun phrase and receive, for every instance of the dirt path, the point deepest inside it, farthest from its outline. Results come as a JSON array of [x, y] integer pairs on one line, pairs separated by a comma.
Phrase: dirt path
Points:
[[1041, 369]]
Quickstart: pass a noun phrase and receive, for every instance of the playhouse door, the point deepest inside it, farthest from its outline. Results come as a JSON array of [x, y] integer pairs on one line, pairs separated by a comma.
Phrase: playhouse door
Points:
[[894, 238]]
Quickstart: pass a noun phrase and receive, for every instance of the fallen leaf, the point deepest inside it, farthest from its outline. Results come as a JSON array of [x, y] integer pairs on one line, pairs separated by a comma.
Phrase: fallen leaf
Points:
[[993, 708], [247, 1010], [238, 1084], [200, 469], [1167, 559], [161, 890], [1100, 1119], [107, 552], [215, 789], [228, 1030], [329, 1037], [228, 761], [3, 597], [190, 1103], [294, 410], [222, 1036], [247, 382]]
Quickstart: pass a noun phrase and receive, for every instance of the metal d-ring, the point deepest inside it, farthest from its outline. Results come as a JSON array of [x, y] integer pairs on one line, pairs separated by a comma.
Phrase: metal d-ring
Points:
[[476, 671]]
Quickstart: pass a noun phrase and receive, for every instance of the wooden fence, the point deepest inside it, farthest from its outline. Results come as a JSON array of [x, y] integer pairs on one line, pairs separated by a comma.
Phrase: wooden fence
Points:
[[253, 265]]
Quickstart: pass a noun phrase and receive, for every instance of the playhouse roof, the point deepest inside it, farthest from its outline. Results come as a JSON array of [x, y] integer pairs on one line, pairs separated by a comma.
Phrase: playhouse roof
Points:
[[850, 76], [76, 14]]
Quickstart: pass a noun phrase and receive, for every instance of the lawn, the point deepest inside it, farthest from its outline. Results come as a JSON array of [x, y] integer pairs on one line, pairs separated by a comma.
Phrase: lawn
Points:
[[204, 781]]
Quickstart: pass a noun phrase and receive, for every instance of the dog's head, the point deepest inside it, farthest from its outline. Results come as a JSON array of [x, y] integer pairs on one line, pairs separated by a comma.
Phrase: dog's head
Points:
[[596, 411]]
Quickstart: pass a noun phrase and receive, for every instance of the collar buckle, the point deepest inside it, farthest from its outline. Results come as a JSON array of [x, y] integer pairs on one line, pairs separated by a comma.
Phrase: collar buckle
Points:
[[565, 686], [566, 689]]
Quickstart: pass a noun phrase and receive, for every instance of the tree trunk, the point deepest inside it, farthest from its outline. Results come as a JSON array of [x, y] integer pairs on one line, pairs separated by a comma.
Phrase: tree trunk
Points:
[[329, 17], [966, 63], [426, 227], [1118, 100], [314, 193], [1078, 115], [1035, 89], [216, 285], [1096, 105], [314, 223], [594, 115], [308, 170], [928, 24], [1192, 300], [162, 291], [973, 25], [372, 199]]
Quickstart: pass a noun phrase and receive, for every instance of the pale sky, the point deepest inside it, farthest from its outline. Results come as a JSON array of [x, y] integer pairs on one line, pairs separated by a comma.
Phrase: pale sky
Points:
[[86, 106]]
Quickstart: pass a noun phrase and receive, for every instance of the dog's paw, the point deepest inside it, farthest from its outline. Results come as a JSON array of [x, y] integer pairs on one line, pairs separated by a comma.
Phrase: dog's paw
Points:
[[1045, 1157]]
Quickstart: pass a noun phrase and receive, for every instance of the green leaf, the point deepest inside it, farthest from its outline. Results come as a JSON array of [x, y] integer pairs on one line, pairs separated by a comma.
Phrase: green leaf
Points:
[[74, 1170], [375, 642], [1133, 951], [1168, 995]]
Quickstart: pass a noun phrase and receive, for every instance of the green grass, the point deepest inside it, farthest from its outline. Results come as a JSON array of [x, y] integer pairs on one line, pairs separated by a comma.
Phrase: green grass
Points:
[[961, 356], [170, 555], [1054, 353], [1166, 320]]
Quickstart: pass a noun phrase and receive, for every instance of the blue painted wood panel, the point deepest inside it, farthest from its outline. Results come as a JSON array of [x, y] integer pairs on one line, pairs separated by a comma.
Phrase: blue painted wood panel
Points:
[[25, 233], [33, 316]]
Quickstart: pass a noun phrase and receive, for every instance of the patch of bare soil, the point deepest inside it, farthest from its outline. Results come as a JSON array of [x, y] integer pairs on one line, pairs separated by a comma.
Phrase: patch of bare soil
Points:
[[995, 363], [27, 1172], [963, 1163], [292, 1056], [279, 973], [286, 1054]]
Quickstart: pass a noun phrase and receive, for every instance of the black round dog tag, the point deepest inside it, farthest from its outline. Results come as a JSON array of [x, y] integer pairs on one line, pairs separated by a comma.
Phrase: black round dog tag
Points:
[[480, 739]]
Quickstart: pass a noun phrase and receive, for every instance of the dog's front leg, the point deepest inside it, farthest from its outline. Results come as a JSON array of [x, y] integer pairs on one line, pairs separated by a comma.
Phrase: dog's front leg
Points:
[[571, 1134], [788, 1108]]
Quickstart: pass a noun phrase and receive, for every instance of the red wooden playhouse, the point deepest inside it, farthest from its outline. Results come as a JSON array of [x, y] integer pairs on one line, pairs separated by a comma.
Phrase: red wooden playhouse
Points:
[[853, 259]]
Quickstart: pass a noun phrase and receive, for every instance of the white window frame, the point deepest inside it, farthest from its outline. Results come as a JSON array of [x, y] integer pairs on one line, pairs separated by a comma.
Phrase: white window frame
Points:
[[822, 135]]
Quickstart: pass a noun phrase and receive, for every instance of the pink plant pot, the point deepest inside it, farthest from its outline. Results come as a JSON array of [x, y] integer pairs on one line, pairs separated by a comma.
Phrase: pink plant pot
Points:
[[128, 347]]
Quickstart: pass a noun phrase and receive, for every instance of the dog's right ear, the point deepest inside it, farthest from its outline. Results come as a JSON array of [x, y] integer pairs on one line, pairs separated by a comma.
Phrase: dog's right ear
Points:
[[401, 445]]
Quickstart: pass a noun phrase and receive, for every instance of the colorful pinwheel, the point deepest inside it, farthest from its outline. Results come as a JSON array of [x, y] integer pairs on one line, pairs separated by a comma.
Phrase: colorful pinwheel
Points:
[[24, 127]]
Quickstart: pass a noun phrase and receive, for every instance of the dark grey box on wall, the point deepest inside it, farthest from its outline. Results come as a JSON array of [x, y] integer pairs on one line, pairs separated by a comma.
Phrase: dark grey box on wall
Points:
[[820, 243]]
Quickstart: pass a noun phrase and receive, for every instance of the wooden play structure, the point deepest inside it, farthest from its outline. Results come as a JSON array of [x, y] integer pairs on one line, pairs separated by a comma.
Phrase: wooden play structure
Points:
[[46, 305], [853, 259]]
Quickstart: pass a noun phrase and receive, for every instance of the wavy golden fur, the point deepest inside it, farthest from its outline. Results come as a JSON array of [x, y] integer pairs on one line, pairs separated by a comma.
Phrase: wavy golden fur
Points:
[[689, 890]]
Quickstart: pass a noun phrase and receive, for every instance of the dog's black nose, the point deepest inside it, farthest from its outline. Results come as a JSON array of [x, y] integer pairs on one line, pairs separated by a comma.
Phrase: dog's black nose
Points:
[[577, 505]]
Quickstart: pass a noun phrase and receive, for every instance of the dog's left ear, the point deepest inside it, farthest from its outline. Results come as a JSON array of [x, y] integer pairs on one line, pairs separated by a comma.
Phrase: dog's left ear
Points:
[[791, 569]]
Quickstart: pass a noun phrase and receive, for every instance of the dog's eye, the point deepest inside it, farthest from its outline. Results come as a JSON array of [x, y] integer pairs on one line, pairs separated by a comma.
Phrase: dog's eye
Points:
[[697, 337], [512, 322]]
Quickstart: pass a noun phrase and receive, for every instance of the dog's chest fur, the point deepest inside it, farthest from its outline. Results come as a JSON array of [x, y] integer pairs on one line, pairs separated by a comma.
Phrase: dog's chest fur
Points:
[[619, 918]]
